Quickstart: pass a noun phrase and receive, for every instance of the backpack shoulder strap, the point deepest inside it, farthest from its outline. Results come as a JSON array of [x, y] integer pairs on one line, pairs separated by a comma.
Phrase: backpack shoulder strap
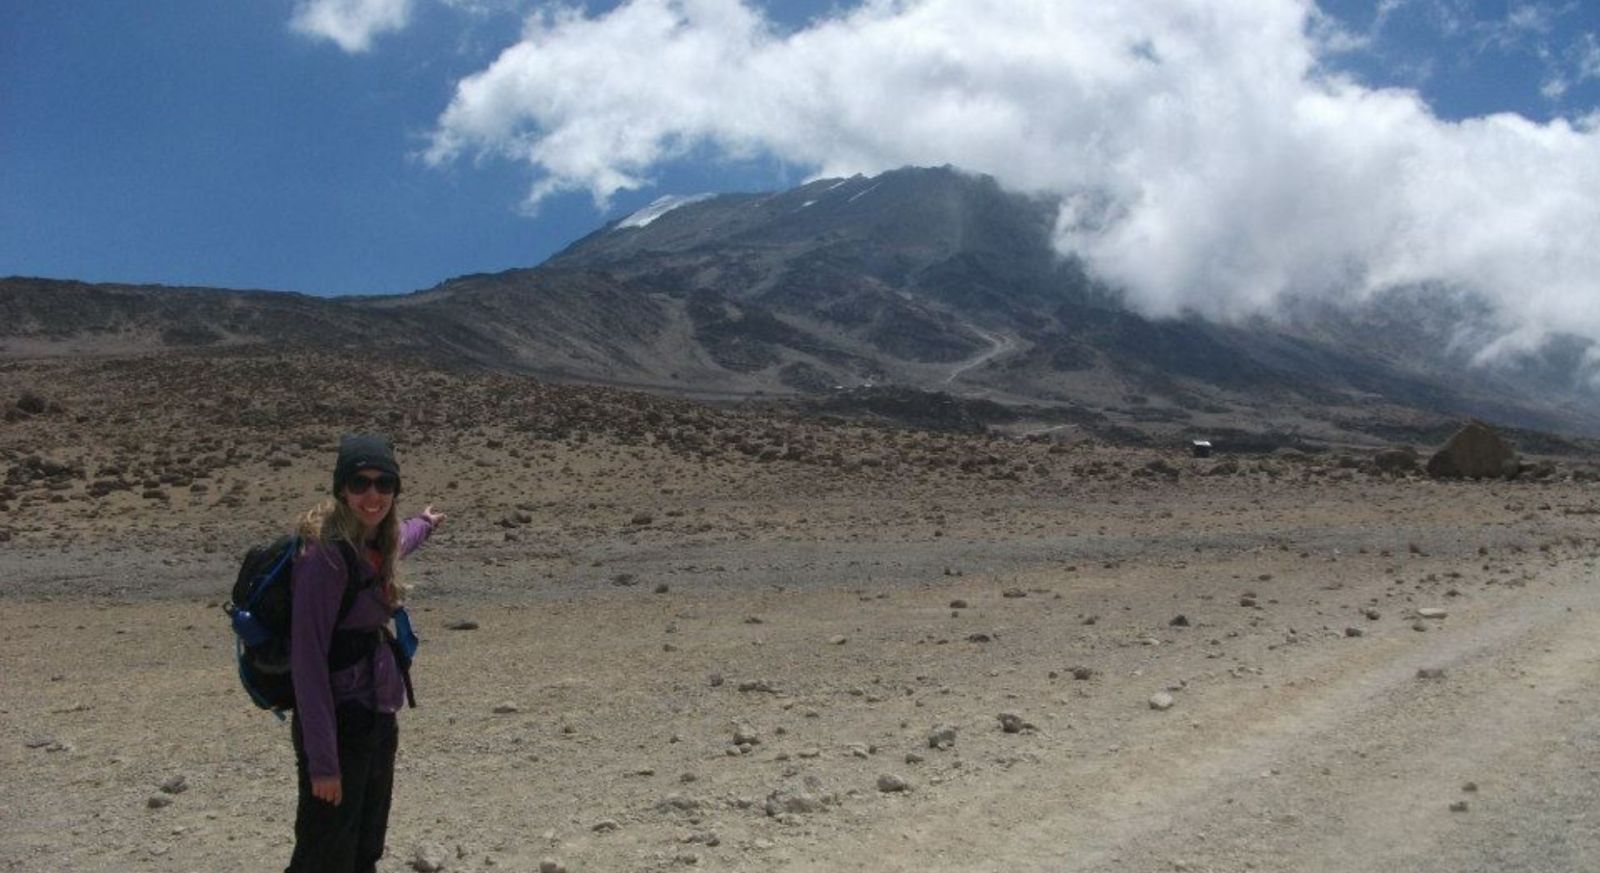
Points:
[[352, 582]]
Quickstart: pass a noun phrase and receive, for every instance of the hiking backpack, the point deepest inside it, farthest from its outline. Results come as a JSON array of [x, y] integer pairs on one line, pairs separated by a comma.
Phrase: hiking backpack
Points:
[[260, 611]]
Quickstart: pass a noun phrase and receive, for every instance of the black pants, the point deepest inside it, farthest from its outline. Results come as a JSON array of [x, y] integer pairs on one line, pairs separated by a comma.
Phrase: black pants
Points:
[[347, 838]]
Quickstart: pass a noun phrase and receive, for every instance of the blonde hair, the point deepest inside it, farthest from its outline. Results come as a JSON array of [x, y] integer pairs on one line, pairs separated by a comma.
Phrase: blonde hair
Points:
[[332, 521]]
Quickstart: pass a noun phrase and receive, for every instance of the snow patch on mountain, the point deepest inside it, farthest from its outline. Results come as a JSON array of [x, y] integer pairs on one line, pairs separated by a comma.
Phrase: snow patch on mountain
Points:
[[659, 207]]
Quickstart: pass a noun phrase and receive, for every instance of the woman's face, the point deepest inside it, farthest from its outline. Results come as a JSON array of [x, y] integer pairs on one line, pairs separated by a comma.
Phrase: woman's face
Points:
[[370, 495]]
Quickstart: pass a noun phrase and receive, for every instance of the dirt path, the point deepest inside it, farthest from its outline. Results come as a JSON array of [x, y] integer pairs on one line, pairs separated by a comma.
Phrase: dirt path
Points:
[[999, 344], [1345, 764]]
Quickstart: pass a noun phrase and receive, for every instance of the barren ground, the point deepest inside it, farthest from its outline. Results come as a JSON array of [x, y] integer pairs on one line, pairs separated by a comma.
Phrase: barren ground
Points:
[[655, 599]]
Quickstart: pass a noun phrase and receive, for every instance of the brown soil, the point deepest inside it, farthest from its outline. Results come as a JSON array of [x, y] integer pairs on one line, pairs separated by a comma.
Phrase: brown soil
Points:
[[679, 575]]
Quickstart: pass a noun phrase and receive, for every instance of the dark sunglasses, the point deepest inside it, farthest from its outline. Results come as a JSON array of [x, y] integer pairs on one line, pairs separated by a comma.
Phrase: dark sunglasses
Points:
[[385, 484]]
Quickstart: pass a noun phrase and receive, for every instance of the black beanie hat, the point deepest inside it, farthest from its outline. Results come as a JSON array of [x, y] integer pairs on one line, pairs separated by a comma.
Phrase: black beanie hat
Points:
[[364, 451]]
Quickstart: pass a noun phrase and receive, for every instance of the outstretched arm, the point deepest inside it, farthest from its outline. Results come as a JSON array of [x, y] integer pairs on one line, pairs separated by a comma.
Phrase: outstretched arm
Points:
[[415, 530]]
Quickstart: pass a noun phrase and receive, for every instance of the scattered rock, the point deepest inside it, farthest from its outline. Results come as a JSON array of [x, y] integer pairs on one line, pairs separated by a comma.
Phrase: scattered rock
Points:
[[605, 826], [958, 603], [1178, 621], [941, 737], [551, 865], [793, 802], [678, 803], [891, 783], [428, 858], [507, 709], [1398, 460], [1161, 701], [464, 624], [157, 801], [1082, 674], [1431, 612], [1430, 672], [1458, 806], [745, 735], [32, 403], [175, 785], [1012, 723], [1354, 632]]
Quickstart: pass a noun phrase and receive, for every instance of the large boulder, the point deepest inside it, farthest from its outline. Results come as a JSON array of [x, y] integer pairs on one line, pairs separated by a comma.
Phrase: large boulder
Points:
[[1474, 452]]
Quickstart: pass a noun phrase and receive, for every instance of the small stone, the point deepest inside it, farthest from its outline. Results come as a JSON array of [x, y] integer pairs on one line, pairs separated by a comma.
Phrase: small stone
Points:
[[1178, 621], [958, 604], [1013, 593], [1012, 723], [1458, 806], [464, 624], [745, 735], [551, 865], [1161, 701], [1082, 674], [605, 826], [677, 803], [941, 737], [1432, 612], [157, 801], [176, 785], [1354, 632], [1470, 787], [1430, 672], [427, 858], [838, 640], [1372, 614], [891, 783], [507, 709], [785, 801]]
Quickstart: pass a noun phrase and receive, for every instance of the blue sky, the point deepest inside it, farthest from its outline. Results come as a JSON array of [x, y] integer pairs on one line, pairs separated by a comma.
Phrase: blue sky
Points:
[[209, 142]]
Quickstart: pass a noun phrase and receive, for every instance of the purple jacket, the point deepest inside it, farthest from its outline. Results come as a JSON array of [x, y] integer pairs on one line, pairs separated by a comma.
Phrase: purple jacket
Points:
[[317, 587]]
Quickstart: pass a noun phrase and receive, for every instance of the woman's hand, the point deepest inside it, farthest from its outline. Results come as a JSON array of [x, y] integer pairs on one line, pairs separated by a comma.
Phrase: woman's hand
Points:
[[327, 789], [432, 516]]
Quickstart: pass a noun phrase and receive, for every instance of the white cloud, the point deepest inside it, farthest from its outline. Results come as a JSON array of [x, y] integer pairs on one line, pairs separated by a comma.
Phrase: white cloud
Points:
[[1208, 164], [350, 23]]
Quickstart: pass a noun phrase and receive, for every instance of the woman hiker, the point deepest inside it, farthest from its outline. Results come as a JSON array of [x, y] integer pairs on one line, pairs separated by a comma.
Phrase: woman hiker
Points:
[[349, 680]]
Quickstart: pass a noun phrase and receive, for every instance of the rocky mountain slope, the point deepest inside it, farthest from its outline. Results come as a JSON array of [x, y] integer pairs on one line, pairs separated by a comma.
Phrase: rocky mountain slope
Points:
[[921, 280]]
